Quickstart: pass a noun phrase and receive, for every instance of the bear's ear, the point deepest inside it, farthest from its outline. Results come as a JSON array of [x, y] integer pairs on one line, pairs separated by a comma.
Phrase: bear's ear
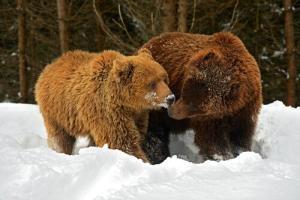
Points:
[[205, 57], [145, 52], [123, 71], [209, 56]]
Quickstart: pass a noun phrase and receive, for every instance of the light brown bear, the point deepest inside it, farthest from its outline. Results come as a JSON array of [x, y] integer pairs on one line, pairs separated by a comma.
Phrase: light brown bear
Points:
[[105, 96]]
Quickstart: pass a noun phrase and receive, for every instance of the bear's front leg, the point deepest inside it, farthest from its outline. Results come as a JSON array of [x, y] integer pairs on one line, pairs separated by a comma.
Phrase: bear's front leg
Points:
[[242, 133], [131, 147], [156, 142], [135, 150], [127, 142], [156, 147], [213, 140]]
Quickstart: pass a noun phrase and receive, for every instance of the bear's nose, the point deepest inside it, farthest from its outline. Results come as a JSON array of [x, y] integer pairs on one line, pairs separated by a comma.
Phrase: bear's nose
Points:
[[170, 99]]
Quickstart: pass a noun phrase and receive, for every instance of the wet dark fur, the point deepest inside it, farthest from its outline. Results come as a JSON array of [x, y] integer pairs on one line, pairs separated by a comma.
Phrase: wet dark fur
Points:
[[157, 139]]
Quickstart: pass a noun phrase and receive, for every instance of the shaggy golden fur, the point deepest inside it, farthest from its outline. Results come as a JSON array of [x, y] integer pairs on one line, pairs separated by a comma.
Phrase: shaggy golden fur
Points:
[[105, 95], [217, 85]]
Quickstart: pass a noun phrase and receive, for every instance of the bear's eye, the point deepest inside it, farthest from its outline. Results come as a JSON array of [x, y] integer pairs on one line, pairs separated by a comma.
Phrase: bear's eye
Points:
[[152, 85], [201, 85]]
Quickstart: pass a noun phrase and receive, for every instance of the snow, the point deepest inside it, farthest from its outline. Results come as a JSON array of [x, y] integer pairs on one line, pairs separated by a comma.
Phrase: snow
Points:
[[279, 53], [30, 170], [152, 97]]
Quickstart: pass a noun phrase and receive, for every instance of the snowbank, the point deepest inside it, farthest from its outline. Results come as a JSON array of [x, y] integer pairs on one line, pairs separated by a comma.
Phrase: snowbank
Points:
[[30, 170]]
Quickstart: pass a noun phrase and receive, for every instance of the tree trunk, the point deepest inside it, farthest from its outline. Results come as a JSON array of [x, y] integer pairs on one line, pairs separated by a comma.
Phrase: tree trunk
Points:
[[291, 53], [169, 15], [32, 59], [62, 25], [21, 49], [182, 15]]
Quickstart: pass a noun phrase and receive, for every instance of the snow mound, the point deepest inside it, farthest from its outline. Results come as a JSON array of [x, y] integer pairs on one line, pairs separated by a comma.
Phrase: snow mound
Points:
[[30, 170], [278, 133]]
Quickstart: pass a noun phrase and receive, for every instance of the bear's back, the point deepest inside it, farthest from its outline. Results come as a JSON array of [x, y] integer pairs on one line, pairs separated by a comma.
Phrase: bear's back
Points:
[[69, 62], [64, 84], [174, 49]]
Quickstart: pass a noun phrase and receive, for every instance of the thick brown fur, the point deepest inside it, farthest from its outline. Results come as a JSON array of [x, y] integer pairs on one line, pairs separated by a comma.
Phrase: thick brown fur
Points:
[[101, 95], [217, 85]]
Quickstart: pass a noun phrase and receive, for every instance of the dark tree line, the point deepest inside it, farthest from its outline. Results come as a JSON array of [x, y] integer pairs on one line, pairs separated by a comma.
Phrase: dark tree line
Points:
[[33, 33]]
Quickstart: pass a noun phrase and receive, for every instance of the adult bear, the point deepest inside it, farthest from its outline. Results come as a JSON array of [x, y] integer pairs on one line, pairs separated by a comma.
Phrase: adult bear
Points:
[[105, 96], [218, 92]]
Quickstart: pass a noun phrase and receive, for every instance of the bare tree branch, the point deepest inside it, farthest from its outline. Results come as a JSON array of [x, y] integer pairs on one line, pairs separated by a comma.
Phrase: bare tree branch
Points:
[[194, 13], [124, 26], [108, 32]]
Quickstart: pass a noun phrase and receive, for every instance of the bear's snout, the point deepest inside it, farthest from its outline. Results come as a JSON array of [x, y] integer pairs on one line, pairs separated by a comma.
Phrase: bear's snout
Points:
[[173, 113], [170, 99], [178, 110]]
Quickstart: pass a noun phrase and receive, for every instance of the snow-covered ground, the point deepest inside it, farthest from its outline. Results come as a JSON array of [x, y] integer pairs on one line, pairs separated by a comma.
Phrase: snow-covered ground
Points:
[[29, 170]]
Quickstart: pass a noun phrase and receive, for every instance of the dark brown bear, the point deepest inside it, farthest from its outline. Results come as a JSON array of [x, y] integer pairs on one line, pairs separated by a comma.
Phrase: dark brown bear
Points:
[[217, 86]]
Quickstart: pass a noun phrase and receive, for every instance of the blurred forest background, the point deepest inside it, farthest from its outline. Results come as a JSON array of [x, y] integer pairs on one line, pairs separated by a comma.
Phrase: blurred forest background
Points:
[[33, 33]]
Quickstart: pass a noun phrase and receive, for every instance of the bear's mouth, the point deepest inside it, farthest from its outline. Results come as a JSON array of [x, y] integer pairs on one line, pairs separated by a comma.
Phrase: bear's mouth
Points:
[[152, 98], [163, 105], [184, 114]]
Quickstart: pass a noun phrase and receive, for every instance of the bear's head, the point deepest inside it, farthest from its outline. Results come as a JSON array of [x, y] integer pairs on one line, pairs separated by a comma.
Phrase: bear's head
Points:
[[141, 82], [214, 84]]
